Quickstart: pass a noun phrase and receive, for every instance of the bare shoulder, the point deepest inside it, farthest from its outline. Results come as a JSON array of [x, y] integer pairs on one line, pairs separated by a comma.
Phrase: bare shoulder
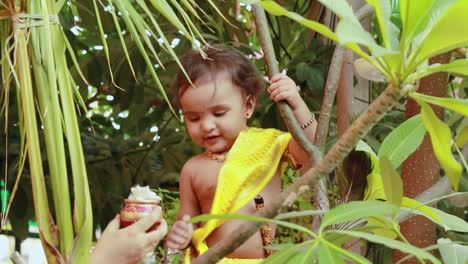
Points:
[[192, 166]]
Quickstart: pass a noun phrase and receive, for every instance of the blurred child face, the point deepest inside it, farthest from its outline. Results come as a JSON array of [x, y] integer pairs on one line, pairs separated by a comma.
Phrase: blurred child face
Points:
[[216, 111]]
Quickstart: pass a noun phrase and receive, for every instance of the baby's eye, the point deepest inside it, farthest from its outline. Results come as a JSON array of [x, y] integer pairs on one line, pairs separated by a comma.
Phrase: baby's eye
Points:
[[192, 118], [220, 113]]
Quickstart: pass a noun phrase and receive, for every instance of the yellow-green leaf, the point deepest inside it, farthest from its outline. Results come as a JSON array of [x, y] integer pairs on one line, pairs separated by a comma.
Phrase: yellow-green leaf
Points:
[[448, 33], [393, 186], [457, 105], [417, 205], [441, 142], [457, 66], [382, 12], [412, 11], [462, 138], [277, 10]]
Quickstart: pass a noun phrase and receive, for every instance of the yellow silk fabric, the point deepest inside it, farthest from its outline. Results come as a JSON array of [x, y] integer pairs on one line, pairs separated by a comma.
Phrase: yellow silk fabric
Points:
[[251, 163]]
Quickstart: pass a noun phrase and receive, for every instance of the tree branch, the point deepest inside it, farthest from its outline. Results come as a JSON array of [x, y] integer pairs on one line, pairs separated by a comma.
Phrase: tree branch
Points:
[[272, 69]]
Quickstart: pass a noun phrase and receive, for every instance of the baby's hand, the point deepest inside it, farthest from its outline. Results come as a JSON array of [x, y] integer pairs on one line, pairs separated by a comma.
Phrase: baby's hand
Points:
[[181, 234], [284, 88]]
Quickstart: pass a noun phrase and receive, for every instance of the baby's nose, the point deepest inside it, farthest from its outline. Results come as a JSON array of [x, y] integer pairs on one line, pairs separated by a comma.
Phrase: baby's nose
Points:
[[208, 124]]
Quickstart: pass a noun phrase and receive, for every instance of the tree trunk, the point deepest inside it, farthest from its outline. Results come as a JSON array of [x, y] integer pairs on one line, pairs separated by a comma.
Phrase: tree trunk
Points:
[[421, 170]]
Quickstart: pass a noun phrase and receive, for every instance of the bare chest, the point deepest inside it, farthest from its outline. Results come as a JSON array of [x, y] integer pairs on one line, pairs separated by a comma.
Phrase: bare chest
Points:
[[205, 181], [204, 184]]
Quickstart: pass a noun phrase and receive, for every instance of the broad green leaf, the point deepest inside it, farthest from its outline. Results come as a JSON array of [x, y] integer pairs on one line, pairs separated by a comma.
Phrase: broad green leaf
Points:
[[382, 11], [457, 105], [447, 221], [335, 258], [295, 214], [452, 222], [285, 255], [393, 186], [446, 34], [273, 8], [462, 138], [459, 66], [403, 247], [363, 146], [403, 141], [412, 11], [347, 32], [441, 143], [328, 255], [355, 210], [342, 9], [417, 205], [451, 252]]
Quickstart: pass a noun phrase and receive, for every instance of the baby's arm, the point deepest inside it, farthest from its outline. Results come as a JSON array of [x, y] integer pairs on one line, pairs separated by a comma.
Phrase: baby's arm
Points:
[[181, 232], [283, 88]]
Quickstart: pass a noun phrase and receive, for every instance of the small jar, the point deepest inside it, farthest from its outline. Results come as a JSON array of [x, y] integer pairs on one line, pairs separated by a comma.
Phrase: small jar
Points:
[[134, 210]]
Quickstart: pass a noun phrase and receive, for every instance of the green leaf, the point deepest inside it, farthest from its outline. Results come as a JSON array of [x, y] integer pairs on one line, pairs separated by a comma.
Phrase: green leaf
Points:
[[277, 10], [462, 138], [382, 12], [452, 252], [447, 33], [403, 247], [285, 255], [457, 105], [355, 210], [447, 221], [412, 11], [393, 186], [441, 143], [426, 210], [403, 141], [327, 255], [295, 214], [459, 66], [347, 32]]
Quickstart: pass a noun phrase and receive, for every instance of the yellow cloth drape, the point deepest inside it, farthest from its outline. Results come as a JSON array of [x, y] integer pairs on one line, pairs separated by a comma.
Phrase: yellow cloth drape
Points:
[[251, 163]]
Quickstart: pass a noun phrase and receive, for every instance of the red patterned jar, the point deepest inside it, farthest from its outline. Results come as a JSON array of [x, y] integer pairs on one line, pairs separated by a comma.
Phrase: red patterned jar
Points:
[[133, 210]]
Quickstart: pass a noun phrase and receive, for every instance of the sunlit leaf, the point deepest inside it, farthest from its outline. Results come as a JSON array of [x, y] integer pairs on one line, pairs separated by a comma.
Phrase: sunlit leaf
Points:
[[457, 105], [446, 34], [459, 66], [462, 138], [441, 142], [355, 210], [328, 255], [393, 185], [403, 141], [403, 247], [382, 12], [447, 221]]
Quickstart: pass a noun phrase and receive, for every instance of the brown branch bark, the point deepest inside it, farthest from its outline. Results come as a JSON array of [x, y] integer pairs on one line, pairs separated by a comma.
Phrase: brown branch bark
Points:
[[329, 93]]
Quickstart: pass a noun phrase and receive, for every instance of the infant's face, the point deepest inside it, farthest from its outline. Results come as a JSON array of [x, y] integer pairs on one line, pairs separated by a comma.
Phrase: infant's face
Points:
[[215, 112]]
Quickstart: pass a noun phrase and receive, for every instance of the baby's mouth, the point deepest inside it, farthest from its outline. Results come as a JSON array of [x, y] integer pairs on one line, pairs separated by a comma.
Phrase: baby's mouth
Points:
[[210, 139]]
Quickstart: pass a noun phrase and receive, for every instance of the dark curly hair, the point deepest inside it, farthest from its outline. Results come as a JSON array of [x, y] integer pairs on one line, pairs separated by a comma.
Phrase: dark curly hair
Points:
[[219, 59]]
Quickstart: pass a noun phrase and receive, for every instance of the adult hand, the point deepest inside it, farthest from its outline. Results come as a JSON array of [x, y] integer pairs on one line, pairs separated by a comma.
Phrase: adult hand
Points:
[[130, 244]]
